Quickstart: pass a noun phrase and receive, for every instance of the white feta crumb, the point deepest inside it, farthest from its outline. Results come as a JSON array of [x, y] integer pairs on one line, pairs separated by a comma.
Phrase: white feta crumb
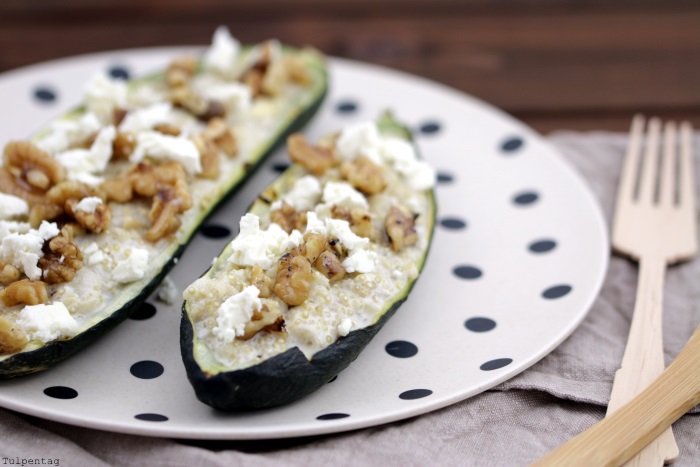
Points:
[[344, 327], [145, 119], [235, 312], [47, 322], [12, 206], [93, 254], [168, 292], [303, 196], [67, 132], [340, 229], [159, 146], [402, 156], [234, 96], [314, 224], [344, 195], [88, 204], [103, 95], [221, 55], [362, 261], [361, 139], [254, 246], [85, 162], [23, 250], [8, 227], [132, 267]]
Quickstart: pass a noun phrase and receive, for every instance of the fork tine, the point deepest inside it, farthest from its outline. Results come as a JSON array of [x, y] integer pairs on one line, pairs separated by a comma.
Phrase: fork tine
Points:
[[667, 182], [628, 178], [647, 180], [687, 185]]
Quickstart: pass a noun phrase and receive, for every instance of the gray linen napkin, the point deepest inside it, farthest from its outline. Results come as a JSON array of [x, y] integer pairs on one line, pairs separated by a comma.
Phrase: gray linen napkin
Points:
[[513, 424]]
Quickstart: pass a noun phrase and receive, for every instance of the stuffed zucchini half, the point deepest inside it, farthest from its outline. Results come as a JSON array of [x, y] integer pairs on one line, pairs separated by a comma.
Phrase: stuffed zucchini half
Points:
[[324, 257], [98, 206]]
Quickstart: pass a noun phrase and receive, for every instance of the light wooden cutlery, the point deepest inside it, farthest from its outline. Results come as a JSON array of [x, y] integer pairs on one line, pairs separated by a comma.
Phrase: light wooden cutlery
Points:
[[654, 224]]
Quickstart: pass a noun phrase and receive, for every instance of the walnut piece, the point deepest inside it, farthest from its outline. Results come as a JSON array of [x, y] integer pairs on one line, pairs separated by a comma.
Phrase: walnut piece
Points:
[[329, 265], [288, 218], [364, 175], [262, 281], [17, 187], [316, 159], [8, 273], [12, 339], [167, 204], [400, 227], [96, 222], [293, 280], [27, 162], [209, 156], [24, 292], [62, 258], [69, 189], [222, 136], [123, 145], [269, 320], [180, 71], [44, 212], [314, 244], [167, 129], [359, 219]]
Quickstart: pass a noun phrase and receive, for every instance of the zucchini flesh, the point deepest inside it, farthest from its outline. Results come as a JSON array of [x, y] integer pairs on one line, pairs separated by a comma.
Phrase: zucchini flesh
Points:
[[288, 372], [279, 116]]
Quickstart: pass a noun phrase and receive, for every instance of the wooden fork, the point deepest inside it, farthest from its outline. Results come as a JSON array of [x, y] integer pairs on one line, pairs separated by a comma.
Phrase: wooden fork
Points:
[[654, 223]]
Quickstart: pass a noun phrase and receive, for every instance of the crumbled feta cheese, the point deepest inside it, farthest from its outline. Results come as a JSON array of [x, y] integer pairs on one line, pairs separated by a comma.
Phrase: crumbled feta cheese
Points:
[[82, 163], [160, 146], [221, 56], [303, 196], [88, 204], [340, 229], [145, 119], [131, 268], [8, 227], [361, 261], [93, 254], [314, 224], [47, 322], [23, 250], [344, 327], [12, 206], [360, 139], [254, 246], [235, 312], [65, 133], [402, 156], [167, 292], [103, 95], [344, 195], [234, 96]]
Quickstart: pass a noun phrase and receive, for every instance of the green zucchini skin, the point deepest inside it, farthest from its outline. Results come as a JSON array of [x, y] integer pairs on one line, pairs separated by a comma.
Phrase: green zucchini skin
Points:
[[289, 376], [54, 352]]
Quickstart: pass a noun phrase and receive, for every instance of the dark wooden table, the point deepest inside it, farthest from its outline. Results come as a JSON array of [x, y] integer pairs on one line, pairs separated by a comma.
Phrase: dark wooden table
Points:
[[578, 64]]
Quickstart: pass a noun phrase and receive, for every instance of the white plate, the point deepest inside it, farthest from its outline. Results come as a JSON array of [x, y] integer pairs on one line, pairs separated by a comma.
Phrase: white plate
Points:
[[491, 159]]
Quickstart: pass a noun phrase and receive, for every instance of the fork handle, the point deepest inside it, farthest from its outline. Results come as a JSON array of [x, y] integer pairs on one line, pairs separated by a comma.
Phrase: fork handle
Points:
[[643, 360], [616, 439]]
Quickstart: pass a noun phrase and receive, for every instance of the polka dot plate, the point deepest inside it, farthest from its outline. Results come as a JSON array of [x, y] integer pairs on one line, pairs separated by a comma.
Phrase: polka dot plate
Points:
[[519, 254]]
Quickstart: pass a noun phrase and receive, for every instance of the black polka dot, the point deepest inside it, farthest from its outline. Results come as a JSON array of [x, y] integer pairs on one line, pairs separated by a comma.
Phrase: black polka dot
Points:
[[145, 311], [525, 198], [332, 416], [512, 144], [415, 394], [479, 324], [467, 272], [556, 291], [146, 369], [431, 127], [216, 231], [496, 364], [445, 177], [333, 379], [151, 417], [401, 349], [280, 167], [453, 223], [45, 94], [542, 246], [119, 72], [61, 392], [346, 106]]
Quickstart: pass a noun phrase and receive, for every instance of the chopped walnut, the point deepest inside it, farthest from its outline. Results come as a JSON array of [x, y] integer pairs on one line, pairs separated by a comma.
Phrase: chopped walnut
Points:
[[255, 76], [400, 227], [118, 116], [123, 145], [293, 280], [8, 273], [167, 129], [44, 212], [185, 97], [62, 258], [209, 157], [288, 218], [329, 265], [96, 222], [297, 69], [364, 175], [17, 187], [222, 136], [69, 189], [314, 244], [214, 109], [143, 179], [316, 159], [24, 292], [12, 339], [57, 200], [180, 71], [167, 204], [253, 79], [27, 162], [359, 219], [262, 281], [269, 320]]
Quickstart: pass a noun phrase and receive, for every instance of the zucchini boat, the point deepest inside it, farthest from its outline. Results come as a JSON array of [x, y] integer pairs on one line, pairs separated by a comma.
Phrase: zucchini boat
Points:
[[97, 207], [324, 257]]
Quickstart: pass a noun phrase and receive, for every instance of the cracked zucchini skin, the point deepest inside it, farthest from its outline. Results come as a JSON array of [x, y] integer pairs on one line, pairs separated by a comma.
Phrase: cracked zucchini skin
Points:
[[54, 352], [289, 376]]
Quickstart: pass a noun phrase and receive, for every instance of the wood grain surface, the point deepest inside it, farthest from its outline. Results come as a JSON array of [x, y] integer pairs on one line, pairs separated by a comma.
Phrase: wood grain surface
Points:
[[552, 63]]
